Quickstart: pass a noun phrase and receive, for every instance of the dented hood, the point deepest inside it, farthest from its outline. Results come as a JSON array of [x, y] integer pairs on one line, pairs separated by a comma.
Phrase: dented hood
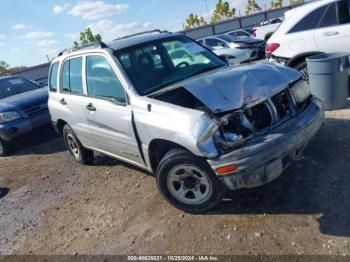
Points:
[[232, 87]]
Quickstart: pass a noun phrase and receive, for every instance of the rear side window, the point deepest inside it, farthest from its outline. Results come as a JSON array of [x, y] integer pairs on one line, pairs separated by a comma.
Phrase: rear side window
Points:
[[72, 76], [329, 18], [102, 81], [310, 21], [53, 77], [344, 12], [213, 42]]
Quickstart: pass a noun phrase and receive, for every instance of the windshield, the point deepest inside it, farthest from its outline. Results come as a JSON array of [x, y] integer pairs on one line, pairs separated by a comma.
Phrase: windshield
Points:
[[14, 86], [157, 64], [249, 30], [226, 38]]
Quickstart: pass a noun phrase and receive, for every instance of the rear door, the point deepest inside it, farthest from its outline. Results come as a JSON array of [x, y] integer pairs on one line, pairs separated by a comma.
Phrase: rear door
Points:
[[300, 38], [333, 33], [108, 114], [72, 99]]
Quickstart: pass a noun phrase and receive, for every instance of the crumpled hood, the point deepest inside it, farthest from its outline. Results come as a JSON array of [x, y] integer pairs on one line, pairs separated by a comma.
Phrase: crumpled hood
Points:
[[232, 87]]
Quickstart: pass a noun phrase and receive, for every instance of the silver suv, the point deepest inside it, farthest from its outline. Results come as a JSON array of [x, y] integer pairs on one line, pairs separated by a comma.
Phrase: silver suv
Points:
[[199, 125]]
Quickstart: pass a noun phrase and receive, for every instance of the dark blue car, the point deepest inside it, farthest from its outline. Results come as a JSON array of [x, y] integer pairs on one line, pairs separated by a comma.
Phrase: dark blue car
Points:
[[23, 107]]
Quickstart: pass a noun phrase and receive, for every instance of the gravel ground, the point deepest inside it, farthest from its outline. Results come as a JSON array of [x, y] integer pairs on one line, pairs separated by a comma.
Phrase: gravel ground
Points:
[[54, 206]]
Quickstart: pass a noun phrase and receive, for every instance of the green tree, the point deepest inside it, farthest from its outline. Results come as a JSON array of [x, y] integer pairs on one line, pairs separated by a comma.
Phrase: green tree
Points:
[[194, 21], [276, 4], [252, 7], [87, 38], [3, 67], [222, 12], [296, 2]]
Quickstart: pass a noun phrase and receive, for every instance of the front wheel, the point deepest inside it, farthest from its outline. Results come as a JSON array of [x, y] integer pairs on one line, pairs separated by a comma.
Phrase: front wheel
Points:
[[5, 148], [188, 182], [75, 148]]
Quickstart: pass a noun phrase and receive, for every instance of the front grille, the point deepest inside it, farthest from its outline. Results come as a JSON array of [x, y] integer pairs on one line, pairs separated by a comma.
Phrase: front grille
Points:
[[282, 103], [271, 111], [36, 110], [259, 116]]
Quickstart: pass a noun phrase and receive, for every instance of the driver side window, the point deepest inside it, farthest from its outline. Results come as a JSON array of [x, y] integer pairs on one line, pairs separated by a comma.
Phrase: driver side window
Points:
[[101, 79]]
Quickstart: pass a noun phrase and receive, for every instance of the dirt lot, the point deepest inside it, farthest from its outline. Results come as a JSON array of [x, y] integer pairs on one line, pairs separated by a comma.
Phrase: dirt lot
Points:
[[54, 206]]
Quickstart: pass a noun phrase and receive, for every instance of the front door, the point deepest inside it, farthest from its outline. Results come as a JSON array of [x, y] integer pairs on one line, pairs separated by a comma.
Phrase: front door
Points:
[[108, 114]]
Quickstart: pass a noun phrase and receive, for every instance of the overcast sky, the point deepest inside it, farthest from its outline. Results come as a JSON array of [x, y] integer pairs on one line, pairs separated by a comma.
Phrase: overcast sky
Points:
[[32, 29]]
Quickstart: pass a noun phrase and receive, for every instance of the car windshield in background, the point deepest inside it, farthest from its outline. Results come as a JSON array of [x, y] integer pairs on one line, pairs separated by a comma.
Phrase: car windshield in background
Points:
[[154, 65], [226, 38], [15, 86]]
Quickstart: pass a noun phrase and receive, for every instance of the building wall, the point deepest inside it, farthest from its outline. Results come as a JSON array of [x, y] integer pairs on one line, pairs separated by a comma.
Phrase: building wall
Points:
[[37, 73], [235, 23]]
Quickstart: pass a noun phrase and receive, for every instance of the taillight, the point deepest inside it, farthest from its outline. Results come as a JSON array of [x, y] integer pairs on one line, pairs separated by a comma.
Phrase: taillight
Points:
[[271, 47], [254, 32]]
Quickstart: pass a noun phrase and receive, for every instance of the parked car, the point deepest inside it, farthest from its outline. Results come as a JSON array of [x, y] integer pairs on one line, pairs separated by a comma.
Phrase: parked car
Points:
[[201, 127], [232, 56], [23, 107], [267, 28], [254, 46], [316, 27], [241, 33]]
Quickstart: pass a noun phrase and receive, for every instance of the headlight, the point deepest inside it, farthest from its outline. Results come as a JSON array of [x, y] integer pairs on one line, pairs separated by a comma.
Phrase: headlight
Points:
[[206, 143], [301, 91], [8, 116]]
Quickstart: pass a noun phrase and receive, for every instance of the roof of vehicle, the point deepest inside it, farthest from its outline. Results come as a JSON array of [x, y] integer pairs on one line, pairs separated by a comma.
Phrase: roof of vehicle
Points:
[[309, 6], [294, 15], [133, 40], [123, 42]]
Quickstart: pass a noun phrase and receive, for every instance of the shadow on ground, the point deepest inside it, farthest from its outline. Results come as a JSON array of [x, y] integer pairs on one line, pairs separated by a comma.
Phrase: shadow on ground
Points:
[[41, 141], [3, 192], [103, 160], [317, 184]]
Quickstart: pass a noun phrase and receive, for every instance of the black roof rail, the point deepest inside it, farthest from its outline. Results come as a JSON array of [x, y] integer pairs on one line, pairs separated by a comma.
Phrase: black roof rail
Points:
[[143, 33], [98, 44]]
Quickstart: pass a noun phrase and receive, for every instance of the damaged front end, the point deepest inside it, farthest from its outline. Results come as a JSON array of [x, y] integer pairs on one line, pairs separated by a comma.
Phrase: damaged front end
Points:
[[258, 141], [260, 116]]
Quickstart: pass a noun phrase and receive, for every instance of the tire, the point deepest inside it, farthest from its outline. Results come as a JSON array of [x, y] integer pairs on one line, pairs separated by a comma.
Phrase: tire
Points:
[[302, 68], [5, 148], [79, 153], [178, 172]]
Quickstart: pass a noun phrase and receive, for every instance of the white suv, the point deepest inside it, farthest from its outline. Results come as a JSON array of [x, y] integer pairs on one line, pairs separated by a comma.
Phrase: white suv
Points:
[[318, 27]]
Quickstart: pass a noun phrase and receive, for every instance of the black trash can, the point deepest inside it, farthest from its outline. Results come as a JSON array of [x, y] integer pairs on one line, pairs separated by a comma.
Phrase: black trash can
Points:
[[328, 78]]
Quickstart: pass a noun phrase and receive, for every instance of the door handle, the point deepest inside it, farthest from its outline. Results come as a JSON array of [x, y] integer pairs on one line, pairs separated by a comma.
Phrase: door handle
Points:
[[330, 33], [90, 107], [63, 101]]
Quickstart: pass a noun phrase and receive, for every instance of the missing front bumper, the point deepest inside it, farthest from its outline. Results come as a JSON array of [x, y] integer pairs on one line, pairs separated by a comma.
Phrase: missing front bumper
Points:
[[264, 158]]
